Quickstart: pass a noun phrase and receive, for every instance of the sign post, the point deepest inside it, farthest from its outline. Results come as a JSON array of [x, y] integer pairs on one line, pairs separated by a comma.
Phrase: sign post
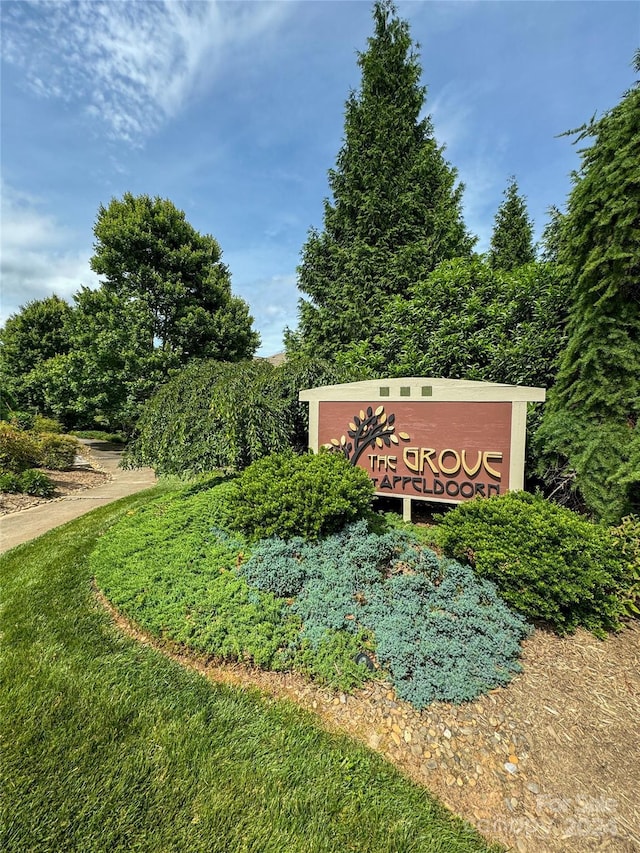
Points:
[[442, 440]]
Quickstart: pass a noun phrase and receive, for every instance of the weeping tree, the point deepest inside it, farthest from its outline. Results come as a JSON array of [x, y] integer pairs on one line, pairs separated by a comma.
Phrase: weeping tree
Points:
[[590, 435], [395, 211], [220, 415]]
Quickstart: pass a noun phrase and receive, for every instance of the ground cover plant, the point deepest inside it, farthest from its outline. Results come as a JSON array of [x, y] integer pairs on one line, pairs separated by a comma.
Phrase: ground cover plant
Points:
[[171, 567], [306, 603], [108, 745], [547, 562], [440, 632]]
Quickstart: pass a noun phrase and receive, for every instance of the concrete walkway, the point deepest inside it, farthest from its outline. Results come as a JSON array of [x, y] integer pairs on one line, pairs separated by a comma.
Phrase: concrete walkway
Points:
[[19, 527]]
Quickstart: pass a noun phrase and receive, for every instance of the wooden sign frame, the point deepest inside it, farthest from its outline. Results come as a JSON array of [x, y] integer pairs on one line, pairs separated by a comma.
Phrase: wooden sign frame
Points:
[[440, 440]]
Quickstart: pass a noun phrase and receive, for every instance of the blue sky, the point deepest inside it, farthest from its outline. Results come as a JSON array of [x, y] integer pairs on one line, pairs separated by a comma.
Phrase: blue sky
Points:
[[235, 111]]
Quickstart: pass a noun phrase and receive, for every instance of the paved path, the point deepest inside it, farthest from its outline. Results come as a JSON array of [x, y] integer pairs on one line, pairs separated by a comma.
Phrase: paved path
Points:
[[19, 527]]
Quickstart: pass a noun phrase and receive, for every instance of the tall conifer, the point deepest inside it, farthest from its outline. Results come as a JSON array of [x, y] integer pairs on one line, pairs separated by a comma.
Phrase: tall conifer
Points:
[[396, 209], [592, 422], [512, 238]]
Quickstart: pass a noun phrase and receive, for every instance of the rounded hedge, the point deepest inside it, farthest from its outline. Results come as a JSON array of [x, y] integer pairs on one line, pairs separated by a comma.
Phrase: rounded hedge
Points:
[[57, 452], [547, 562], [18, 449], [310, 496]]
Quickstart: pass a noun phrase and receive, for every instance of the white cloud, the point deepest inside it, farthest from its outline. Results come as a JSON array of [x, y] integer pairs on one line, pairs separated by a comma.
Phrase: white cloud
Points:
[[132, 65], [273, 304], [477, 156], [37, 257]]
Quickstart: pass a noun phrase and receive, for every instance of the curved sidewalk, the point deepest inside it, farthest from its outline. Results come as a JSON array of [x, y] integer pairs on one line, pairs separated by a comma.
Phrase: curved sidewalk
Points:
[[19, 527]]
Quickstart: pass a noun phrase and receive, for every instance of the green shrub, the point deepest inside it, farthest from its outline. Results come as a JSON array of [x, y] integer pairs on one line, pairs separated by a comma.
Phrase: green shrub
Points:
[[56, 451], [10, 482], [42, 424], [7, 402], [547, 562], [627, 534], [22, 420], [33, 482], [309, 496], [442, 633], [18, 449], [100, 435]]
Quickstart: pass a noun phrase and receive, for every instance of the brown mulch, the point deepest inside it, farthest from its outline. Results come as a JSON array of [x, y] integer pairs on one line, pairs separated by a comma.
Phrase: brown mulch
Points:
[[549, 764], [66, 483]]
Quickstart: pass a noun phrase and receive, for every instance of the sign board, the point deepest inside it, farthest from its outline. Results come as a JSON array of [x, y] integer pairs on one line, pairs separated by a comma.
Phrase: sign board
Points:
[[442, 440]]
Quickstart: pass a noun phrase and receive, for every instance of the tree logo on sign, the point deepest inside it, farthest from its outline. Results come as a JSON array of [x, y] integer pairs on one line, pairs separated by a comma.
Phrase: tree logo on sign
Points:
[[367, 430]]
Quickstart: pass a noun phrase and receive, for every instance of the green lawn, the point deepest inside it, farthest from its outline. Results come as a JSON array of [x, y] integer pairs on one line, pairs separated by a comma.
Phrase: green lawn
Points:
[[108, 746]]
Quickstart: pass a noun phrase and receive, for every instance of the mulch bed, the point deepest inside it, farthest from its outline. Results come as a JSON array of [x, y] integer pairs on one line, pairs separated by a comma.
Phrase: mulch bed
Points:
[[549, 764], [66, 483]]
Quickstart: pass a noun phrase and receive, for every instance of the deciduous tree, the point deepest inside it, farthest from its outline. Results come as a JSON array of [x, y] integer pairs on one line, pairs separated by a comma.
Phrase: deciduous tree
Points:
[[37, 332], [153, 259]]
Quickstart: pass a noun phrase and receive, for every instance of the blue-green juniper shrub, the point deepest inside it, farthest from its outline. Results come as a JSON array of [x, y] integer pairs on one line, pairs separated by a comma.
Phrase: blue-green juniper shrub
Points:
[[441, 632], [447, 638]]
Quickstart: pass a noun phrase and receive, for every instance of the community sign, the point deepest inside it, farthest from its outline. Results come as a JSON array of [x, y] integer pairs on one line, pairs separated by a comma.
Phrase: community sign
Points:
[[444, 440]]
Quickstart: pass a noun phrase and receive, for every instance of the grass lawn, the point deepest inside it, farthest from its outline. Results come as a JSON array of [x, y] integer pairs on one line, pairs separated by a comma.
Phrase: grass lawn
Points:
[[108, 746]]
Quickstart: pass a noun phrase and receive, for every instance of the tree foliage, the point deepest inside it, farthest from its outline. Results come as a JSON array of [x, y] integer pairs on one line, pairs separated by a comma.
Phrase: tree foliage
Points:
[[217, 415], [512, 238], [469, 321], [166, 299], [172, 277], [591, 433], [552, 236], [36, 333], [396, 211]]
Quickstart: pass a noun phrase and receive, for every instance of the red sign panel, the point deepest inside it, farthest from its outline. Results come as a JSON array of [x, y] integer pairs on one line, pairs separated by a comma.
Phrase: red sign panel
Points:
[[427, 450]]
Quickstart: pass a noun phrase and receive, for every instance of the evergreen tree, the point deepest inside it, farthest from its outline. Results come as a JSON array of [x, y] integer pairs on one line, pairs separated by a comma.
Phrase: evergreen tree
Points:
[[591, 430], [512, 238], [552, 236], [395, 212]]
